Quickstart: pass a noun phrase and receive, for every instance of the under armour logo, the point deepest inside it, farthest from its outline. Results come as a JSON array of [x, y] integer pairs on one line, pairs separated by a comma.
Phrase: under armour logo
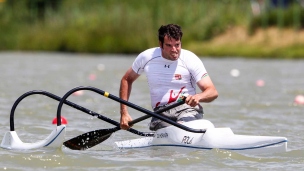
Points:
[[167, 66]]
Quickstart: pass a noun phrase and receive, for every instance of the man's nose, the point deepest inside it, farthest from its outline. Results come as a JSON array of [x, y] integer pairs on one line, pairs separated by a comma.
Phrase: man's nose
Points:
[[173, 48]]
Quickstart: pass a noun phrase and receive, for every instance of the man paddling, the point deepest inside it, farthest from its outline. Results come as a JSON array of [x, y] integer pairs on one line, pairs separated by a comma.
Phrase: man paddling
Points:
[[171, 72]]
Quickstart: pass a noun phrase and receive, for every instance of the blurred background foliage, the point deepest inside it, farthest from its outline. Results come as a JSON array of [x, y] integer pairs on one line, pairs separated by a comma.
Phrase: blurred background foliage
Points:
[[130, 26]]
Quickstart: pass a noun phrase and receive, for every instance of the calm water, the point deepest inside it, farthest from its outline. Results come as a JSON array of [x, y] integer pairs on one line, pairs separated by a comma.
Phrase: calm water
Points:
[[242, 105]]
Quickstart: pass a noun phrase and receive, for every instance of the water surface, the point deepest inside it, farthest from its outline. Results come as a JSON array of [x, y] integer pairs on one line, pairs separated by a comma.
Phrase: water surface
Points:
[[242, 105]]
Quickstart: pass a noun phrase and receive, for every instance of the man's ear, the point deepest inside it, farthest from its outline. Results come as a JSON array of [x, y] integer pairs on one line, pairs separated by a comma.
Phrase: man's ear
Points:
[[160, 44]]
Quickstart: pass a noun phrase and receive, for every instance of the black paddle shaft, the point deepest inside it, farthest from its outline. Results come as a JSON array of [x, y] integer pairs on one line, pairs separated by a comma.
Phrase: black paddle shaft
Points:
[[92, 138], [106, 94]]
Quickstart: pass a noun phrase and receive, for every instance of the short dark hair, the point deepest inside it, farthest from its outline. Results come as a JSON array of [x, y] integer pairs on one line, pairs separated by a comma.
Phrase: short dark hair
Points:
[[171, 30]]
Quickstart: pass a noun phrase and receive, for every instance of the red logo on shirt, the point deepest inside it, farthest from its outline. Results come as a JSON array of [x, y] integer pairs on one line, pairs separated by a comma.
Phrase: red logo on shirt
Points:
[[178, 76], [173, 97]]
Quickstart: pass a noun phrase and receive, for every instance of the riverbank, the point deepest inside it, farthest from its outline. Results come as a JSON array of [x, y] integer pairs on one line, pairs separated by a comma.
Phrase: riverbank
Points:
[[264, 43], [211, 28]]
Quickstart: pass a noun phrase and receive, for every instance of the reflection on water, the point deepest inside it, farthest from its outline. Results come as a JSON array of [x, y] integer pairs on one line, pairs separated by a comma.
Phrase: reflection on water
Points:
[[243, 105]]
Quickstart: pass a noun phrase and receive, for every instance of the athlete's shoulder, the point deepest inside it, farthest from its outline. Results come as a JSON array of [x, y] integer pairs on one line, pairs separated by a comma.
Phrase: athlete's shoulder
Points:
[[151, 53], [187, 53], [188, 56], [144, 57]]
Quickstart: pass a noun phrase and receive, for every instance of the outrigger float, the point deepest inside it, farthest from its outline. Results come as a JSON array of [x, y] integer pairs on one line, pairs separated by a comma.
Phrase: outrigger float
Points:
[[11, 139], [199, 134]]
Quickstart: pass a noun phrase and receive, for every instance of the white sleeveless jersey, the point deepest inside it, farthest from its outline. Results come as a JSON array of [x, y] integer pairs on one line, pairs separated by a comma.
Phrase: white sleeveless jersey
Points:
[[167, 79]]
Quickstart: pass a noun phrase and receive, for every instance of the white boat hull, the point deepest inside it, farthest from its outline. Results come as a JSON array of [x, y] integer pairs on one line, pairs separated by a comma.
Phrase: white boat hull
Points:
[[12, 141], [214, 138]]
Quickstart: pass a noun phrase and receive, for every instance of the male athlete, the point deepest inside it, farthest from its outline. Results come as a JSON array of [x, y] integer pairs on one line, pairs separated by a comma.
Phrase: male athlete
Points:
[[171, 72]]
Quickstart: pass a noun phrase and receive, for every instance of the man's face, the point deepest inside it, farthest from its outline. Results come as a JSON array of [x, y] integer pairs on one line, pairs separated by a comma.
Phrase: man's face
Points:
[[171, 48]]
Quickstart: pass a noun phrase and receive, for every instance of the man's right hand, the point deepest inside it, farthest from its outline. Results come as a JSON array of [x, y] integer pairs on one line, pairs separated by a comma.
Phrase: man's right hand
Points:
[[124, 93], [124, 121]]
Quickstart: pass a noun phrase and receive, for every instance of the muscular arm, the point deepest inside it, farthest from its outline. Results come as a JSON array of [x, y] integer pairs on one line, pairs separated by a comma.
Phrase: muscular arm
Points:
[[208, 92], [124, 93]]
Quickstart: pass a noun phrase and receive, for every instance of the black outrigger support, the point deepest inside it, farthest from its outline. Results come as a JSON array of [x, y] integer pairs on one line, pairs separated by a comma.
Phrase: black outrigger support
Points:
[[71, 104]]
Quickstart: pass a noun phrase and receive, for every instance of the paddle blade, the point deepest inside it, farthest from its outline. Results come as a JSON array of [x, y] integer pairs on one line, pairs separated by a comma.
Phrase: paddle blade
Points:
[[89, 139]]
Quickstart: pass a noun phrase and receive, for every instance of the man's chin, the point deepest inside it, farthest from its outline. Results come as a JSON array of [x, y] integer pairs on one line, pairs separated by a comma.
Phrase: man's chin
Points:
[[174, 57]]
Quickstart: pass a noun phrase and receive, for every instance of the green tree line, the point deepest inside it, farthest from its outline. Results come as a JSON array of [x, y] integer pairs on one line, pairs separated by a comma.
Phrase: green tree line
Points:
[[130, 26]]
